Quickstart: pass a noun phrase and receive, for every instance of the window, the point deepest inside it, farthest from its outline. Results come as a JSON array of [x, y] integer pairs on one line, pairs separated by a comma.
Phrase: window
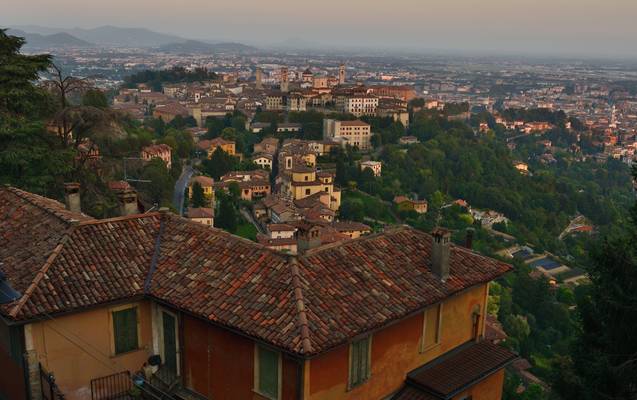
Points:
[[431, 327], [125, 335], [359, 361], [308, 191], [475, 321], [267, 372]]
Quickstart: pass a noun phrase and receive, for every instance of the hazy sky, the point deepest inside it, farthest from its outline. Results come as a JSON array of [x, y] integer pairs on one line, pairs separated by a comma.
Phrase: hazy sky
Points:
[[594, 27]]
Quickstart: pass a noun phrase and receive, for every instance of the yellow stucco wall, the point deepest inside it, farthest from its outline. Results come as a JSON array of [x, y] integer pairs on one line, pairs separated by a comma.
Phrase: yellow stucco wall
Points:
[[73, 367], [396, 351]]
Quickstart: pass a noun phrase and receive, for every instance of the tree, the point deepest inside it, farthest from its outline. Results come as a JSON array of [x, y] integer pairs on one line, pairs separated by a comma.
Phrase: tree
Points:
[[226, 217], [160, 187], [198, 199], [18, 95], [604, 359], [30, 157], [219, 164], [95, 98]]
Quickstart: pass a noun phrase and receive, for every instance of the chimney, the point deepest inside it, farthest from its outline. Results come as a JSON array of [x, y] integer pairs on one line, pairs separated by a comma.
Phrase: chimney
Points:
[[127, 200], [308, 237], [440, 253], [72, 197], [469, 238]]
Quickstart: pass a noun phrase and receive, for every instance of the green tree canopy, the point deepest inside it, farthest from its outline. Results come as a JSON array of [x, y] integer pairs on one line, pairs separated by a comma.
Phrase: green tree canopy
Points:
[[95, 98], [198, 199]]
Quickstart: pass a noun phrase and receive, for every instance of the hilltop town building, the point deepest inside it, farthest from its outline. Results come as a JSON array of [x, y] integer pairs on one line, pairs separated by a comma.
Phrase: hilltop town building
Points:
[[353, 133]]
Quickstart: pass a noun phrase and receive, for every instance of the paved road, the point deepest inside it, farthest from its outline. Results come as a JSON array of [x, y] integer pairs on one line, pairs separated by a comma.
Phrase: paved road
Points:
[[248, 216], [180, 187]]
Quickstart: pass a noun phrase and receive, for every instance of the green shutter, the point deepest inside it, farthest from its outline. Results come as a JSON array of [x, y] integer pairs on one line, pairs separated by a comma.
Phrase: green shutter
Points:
[[125, 330], [359, 368], [268, 372]]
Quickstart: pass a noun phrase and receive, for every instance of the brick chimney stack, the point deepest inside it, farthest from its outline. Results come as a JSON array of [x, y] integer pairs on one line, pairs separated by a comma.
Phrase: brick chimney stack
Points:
[[440, 249], [72, 197], [469, 238], [127, 200]]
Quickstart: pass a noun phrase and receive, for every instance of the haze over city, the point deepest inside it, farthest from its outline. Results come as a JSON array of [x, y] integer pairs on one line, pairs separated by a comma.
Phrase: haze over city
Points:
[[326, 200], [524, 27]]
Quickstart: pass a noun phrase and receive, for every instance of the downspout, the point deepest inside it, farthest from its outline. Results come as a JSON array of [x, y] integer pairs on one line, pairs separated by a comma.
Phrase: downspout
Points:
[[300, 380]]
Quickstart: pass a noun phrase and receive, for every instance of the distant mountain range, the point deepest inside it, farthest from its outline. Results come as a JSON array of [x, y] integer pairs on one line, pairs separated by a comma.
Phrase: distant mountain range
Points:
[[112, 36], [109, 35], [191, 46], [62, 39]]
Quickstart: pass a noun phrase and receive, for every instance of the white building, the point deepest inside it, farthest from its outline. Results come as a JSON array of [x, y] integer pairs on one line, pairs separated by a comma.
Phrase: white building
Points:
[[375, 166], [360, 105]]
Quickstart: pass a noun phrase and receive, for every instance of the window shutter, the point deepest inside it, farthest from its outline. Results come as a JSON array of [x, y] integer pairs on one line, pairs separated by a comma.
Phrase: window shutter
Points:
[[355, 369], [268, 372], [359, 369], [125, 330]]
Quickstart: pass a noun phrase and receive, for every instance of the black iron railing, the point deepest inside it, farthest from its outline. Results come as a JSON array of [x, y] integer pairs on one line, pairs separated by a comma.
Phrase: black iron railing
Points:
[[112, 387], [124, 386], [50, 390]]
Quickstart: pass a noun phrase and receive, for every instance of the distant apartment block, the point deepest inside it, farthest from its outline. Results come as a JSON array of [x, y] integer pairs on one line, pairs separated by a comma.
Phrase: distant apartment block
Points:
[[355, 133]]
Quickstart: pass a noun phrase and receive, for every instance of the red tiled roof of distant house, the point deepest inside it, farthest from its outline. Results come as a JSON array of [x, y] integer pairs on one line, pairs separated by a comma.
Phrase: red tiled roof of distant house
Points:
[[156, 149], [354, 123], [119, 186], [204, 181], [201, 212]]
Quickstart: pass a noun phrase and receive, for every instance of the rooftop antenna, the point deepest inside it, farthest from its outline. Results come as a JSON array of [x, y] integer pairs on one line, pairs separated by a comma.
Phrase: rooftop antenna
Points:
[[126, 178]]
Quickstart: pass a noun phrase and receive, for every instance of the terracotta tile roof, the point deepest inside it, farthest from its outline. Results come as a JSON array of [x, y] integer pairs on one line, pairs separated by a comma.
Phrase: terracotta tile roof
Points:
[[412, 393], [98, 262], [204, 181], [201, 212], [343, 226], [157, 149], [363, 284], [280, 227], [228, 281], [334, 293], [32, 228], [354, 123], [460, 369]]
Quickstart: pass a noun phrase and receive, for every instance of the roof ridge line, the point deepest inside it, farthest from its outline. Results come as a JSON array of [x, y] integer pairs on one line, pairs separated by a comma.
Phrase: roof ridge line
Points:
[[387, 230], [43, 270], [22, 194], [118, 219], [300, 306], [156, 251]]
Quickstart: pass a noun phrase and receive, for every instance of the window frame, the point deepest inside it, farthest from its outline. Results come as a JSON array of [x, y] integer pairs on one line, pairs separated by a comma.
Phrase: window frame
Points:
[[353, 385], [257, 367], [111, 312], [423, 346]]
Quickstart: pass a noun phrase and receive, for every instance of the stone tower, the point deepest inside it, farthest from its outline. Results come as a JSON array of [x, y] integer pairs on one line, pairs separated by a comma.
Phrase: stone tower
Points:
[[259, 78], [341, 75], [285, 79]]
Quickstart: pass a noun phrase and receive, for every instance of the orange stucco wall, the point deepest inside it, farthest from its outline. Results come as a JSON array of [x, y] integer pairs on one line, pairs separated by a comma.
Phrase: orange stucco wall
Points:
[[395, 352], [73, 367], [220, 364]]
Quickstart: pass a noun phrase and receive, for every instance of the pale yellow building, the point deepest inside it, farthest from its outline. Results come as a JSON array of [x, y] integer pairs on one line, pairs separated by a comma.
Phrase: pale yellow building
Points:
[[354, 133]]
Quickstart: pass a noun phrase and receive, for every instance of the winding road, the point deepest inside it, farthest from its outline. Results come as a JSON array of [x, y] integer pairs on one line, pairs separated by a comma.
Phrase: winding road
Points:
[[180, 188]]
